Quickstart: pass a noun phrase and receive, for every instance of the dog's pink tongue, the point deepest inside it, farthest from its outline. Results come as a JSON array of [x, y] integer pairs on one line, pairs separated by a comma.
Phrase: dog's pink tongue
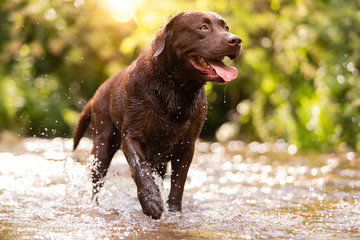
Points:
[[225, 72]]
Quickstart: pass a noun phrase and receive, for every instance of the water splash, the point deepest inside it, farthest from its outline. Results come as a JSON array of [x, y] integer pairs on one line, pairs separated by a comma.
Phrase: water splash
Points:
[[234, 190]]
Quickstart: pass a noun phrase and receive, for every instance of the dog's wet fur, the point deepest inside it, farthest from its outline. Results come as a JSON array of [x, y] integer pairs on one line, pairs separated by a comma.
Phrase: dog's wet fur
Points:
[[154, 109]]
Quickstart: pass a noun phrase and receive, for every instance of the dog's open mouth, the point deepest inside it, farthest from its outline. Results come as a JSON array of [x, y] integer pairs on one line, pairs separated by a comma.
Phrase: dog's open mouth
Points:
[[214, 68]]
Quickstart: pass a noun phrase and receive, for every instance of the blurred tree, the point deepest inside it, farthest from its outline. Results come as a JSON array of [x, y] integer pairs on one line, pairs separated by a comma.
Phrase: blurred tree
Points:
[[298, 74]]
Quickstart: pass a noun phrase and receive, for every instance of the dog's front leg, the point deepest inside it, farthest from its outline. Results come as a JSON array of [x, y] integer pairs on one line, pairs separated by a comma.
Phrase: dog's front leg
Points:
[[179, 170], [148, 192]]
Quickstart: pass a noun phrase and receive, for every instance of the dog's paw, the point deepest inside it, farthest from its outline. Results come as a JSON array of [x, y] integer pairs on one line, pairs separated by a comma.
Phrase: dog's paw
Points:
[[174, 207], [151, 202], [153, 209]]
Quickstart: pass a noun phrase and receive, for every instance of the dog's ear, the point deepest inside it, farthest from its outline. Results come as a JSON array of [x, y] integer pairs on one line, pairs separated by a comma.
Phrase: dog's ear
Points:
[[163, 36]]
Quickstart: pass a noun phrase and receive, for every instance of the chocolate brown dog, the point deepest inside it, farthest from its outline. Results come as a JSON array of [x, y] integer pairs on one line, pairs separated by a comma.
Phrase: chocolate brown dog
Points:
[[155, 108]]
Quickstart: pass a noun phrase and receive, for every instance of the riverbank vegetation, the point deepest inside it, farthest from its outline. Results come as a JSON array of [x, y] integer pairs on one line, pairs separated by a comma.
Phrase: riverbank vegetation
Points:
[[298, 74]]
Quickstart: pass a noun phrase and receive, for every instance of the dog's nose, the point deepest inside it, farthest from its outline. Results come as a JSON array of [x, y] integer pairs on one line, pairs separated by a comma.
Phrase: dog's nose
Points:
[[234, 40]]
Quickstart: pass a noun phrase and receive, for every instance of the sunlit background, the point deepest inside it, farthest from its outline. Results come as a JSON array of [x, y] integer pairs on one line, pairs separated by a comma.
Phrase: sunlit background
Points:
[[298, 74], [122, 11], [277, 157]]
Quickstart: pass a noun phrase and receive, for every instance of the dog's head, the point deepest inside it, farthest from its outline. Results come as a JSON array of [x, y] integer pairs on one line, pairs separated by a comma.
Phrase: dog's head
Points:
[[198, 41]]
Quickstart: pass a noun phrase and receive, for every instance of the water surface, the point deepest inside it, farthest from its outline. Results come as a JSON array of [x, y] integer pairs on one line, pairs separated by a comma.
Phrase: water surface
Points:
[[233, 191]]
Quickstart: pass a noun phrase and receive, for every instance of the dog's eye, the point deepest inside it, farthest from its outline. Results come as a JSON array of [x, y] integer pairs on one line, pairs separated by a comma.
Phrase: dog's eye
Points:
[[227, 28], [204, 28]]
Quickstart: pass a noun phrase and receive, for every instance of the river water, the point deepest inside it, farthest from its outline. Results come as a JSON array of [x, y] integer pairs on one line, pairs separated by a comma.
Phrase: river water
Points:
[[233, 191]]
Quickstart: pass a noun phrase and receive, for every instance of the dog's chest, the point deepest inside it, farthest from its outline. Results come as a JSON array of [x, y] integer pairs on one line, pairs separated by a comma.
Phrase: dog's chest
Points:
[[162, 136], [165, 118], [171, 124], [174, 112]]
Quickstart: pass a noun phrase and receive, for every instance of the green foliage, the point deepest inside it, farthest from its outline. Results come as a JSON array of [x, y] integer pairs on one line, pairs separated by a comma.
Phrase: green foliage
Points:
[[298, 74], [302, 59]]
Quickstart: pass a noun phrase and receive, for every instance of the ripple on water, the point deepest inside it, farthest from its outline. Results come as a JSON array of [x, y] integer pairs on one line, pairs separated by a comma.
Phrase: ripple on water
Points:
[[234, 190]]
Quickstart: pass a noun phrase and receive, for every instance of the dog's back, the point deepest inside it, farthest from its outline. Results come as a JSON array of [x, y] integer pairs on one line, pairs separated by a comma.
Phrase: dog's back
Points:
[[155, 108]]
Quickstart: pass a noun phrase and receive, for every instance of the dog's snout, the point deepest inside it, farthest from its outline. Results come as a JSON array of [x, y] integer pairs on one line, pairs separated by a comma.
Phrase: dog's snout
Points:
[[234, 40]]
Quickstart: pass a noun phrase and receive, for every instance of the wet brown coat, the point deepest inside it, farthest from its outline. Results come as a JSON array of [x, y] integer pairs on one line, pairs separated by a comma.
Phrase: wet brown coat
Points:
[[154, 110]]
